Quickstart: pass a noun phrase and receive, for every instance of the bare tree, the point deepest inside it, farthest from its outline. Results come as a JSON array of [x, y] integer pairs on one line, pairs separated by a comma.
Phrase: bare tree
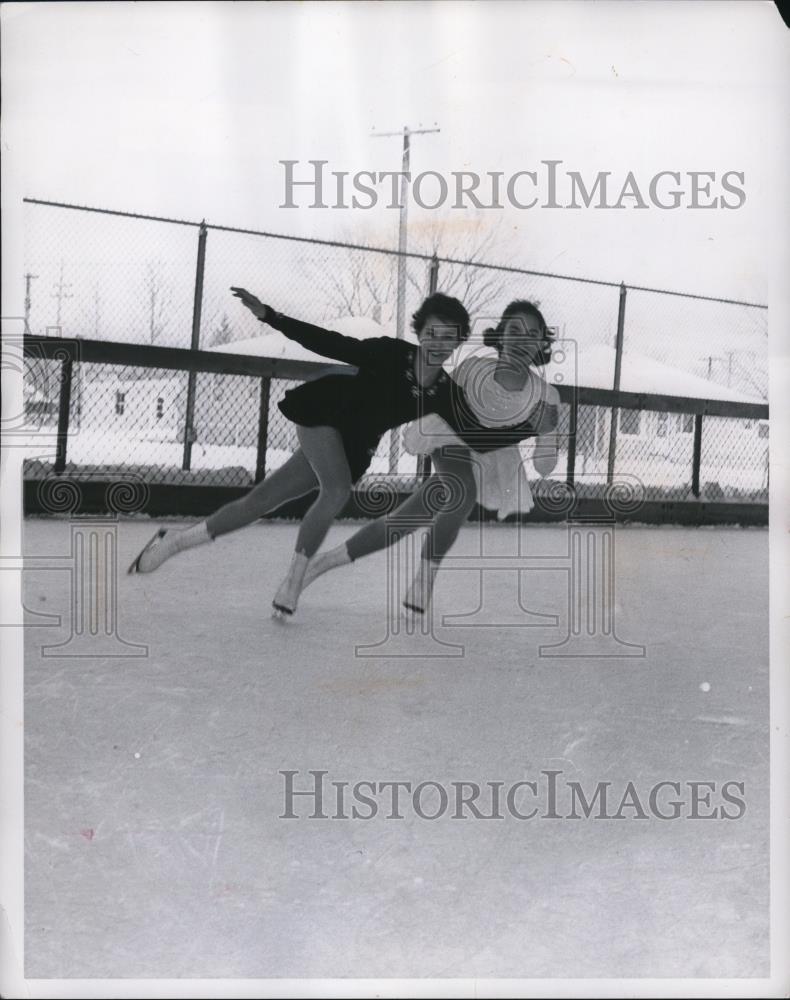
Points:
[[470, 242], [358, 282], [363, 282], [90, 309], [158, 299], [222, 334]]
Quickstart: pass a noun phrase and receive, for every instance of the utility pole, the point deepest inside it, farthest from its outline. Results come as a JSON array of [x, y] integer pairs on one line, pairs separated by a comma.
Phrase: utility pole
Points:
[[400, 316], [60, 295], [710, 358], [28, 278]]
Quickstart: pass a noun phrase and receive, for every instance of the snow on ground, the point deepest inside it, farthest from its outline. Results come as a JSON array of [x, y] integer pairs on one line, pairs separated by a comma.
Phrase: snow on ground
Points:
[[745, 471], [105, 447], [154, 847]]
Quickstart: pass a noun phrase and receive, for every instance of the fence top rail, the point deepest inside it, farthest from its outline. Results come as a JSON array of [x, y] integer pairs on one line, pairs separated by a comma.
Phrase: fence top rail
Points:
[[389, 252], [173, 358], [184, 359]]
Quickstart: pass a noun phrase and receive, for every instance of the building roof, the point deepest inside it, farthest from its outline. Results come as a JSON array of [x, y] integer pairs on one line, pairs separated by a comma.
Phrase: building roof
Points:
[[593, 366], [274, 344], [639, 373]]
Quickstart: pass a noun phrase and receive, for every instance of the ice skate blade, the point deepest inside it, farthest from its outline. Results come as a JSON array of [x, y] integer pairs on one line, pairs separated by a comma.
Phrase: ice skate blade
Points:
[[281, 614], [135, 566]]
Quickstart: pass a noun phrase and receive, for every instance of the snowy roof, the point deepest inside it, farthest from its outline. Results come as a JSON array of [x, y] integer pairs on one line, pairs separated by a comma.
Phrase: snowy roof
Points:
[[595, 370], [274, 344], [594, 365]]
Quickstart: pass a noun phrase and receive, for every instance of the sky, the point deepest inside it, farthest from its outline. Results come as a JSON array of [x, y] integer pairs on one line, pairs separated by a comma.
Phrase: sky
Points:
[[185, 110]]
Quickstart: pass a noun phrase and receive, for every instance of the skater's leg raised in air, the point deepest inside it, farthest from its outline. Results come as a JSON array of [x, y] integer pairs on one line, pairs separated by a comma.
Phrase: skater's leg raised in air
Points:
[[292, 480]]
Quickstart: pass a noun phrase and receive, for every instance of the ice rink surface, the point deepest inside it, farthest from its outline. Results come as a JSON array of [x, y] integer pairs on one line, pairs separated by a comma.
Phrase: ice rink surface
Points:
[[154, 846]]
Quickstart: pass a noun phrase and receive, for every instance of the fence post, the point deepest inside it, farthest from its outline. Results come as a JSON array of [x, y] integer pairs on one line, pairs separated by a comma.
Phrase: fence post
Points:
[[189, 431], [573, 419], [263, 428], [697, 459], [64, 408], [424, 461], [618, 360]]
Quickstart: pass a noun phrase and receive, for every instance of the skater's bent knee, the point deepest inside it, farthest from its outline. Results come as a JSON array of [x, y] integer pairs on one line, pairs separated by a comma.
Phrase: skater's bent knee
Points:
[[335, 496]]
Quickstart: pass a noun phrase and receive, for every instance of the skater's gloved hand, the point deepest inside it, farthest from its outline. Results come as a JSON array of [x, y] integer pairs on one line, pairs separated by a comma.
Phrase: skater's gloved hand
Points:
[[256, 307]]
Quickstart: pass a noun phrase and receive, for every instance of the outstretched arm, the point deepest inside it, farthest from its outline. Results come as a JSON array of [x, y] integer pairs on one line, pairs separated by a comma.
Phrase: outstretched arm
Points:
[[327, 343]]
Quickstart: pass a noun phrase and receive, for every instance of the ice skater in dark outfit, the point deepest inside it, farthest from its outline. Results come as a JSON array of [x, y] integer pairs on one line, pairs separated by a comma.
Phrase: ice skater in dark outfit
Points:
[[340, 421]]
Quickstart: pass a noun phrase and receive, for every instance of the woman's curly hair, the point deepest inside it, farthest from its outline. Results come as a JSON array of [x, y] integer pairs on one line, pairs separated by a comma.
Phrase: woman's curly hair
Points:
[[492, 337], [445, 308]]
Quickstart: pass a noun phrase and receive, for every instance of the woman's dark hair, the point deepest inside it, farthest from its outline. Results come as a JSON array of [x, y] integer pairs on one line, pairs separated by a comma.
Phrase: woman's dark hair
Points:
[[445, 308], [520, 307]]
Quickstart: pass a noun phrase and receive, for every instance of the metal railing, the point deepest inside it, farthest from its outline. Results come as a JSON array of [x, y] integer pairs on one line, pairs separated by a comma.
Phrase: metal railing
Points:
[[135, 364]]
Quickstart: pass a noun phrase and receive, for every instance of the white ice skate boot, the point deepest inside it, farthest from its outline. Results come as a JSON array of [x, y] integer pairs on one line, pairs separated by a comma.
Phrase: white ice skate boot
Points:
[[287, 596], [166, 543]]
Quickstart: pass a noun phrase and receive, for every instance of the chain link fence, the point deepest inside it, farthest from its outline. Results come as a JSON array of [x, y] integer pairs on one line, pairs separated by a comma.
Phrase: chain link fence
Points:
[[134, 417], [718, 342], [105, 276]]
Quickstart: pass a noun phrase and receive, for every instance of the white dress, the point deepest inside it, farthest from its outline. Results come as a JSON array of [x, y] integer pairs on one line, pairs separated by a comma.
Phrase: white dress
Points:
[[502, 484]]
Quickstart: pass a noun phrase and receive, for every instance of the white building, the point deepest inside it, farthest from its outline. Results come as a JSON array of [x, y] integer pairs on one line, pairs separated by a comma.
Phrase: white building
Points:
[[152, 406], [650, 444], [646, 438]]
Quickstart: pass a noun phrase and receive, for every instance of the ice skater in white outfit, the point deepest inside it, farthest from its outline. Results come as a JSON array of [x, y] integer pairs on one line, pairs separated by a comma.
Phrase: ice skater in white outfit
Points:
[[505, 402]]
